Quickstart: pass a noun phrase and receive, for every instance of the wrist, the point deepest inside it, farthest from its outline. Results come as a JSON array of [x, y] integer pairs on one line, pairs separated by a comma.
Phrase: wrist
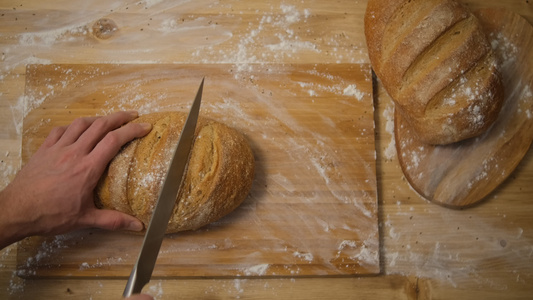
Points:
[[14, 226]]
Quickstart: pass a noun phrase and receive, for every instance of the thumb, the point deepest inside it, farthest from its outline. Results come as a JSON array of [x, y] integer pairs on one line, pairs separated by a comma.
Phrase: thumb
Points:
[[113, 220]]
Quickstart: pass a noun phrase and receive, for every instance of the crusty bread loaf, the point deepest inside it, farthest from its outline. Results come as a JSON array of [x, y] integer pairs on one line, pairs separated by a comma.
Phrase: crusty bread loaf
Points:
[[436, 63], [219, 173]]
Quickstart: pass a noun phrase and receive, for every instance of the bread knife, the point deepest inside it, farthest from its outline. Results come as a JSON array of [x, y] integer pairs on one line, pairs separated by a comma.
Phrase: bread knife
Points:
[[153, 238]]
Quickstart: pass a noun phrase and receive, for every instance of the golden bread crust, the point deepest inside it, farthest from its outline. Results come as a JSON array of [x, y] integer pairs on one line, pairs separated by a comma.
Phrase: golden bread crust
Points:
[[436, 63], [219, 173]]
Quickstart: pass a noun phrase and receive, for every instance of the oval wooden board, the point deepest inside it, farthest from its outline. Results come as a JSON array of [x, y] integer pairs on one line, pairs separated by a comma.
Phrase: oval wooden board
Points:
[[462, 174]]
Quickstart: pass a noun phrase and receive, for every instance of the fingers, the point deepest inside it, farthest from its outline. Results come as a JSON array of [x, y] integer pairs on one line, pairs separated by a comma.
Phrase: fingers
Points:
[[75, 130], [88, 131], [54, 136], [101, 126], [110, 220], [109, 146]]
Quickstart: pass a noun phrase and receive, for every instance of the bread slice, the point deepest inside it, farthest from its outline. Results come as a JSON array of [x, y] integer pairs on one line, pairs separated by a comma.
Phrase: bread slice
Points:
[[436, 63], [218, 179]]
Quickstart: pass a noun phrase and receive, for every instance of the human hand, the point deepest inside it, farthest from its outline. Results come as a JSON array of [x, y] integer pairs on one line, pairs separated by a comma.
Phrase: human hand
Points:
[[54, 192]]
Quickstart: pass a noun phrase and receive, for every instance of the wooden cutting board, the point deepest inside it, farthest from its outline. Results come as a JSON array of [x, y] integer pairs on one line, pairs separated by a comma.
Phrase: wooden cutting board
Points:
[[313, 205], [462, 174]]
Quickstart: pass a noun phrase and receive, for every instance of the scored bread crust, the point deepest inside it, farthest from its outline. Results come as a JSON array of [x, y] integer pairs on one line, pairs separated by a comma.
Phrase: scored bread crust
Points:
[[219, 174], [436, 63]]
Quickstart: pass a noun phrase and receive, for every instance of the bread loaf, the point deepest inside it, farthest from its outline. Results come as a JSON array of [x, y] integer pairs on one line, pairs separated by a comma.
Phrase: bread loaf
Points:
[[219, 173], [436, 63]]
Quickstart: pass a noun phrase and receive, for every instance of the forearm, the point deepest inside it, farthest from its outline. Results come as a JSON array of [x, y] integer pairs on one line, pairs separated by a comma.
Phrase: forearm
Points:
[[14, 226]]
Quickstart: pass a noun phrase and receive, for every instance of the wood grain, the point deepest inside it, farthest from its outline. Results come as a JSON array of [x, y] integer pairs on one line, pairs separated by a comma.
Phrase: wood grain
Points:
[[313, 205], [427, 251], [462, 174]]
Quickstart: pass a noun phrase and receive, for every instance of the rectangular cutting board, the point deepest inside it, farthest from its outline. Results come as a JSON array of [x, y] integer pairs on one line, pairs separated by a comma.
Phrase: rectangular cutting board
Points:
[[313, 207]]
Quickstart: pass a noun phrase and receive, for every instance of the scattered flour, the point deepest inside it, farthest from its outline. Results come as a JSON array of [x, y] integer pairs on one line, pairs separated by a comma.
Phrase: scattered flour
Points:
[[155, 289], [237, 286], [305, 256], [347, 244], [505, 48], [150, 3], [285, 43], [51, 36], [388, 114], [352, 90], [84, 266], [292, 15], [257, 270]]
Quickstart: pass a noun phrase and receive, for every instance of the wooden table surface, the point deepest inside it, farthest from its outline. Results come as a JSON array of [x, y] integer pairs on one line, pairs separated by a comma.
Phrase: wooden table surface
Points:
[[426, 251]]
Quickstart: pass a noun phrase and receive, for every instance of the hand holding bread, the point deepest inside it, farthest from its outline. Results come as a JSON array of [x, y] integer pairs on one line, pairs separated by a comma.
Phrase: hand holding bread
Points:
[[53, 192], [219, 173]]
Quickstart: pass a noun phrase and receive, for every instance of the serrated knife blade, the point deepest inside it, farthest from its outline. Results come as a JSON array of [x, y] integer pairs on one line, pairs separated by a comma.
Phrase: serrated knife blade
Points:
[[153, 238]]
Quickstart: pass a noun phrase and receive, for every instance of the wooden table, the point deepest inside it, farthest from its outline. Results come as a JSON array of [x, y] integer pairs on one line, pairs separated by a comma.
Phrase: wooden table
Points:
[[427, 252]]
